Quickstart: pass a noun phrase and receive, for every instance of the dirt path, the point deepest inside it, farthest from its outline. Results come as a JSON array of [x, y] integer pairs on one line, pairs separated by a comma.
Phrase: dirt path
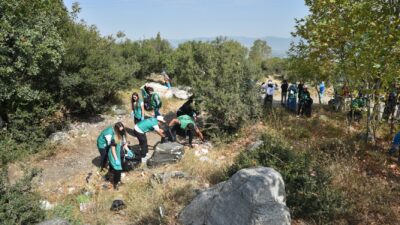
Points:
[[78, 156]]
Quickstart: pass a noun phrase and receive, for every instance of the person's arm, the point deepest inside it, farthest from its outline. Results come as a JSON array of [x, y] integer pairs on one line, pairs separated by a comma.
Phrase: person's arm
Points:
[[142, 107], [199, 134], [160, 132], [173, 122], [114, 153]]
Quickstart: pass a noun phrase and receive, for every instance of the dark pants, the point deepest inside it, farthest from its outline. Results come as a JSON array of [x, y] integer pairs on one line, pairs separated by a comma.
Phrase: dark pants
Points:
[[116, 176], [178, 130], [300, 109], [144, 148], [268, 101], [104, 157], [283, 98], [137, 120]]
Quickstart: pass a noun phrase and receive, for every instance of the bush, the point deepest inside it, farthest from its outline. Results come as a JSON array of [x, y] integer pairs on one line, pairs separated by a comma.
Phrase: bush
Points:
[[19, 204], [309, 194], [222, 75]]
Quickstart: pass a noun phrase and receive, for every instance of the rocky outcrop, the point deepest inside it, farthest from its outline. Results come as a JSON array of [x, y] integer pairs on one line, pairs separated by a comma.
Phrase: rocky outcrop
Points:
[[166, 153], [251, 197]]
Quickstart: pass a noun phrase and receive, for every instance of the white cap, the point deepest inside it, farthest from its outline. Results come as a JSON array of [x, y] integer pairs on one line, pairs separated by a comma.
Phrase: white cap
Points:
[[161, 119]]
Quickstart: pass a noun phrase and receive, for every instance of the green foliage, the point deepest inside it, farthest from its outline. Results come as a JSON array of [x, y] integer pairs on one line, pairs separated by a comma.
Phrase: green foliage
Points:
[[309, 194], [260, 51], [222, 75], [18, 203]]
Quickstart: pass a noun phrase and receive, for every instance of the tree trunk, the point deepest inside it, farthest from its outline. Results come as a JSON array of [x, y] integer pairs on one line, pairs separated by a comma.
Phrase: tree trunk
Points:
[[319, 96]]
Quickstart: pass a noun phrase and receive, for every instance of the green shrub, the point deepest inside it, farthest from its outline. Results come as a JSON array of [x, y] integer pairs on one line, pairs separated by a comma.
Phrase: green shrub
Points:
[[19, 204], [222, 75], [309, 194]]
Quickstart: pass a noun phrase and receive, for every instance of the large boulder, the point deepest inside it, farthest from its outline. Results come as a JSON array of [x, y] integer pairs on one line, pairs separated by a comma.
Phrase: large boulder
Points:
[[251, 197], [166, 153]]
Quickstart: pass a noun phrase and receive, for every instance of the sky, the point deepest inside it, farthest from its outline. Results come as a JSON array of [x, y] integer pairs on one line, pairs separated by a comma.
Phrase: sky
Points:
[[185, 19]]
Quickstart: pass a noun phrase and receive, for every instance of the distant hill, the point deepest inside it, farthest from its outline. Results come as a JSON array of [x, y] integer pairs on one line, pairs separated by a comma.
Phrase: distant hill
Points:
[[279, 45]]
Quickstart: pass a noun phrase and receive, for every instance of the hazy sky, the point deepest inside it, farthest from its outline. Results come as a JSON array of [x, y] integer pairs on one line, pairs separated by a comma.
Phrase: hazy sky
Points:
[[178, 19]]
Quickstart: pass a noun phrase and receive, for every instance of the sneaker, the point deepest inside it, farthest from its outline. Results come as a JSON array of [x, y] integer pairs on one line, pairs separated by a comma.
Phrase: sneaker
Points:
[[144, 160]]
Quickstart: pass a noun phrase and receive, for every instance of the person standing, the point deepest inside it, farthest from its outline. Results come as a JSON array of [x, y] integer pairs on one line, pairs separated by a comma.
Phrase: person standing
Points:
[[137, 106], [269, 94], [305, 102], [292, 97], [145, 126], [321, 92], [167, 80], [155, 101], [395, 146], [185, 125], [284, 89], [107, 139]]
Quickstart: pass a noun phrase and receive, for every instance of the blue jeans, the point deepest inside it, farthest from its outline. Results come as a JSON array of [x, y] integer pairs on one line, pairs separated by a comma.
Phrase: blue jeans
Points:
[[168, 85], [393, 150]]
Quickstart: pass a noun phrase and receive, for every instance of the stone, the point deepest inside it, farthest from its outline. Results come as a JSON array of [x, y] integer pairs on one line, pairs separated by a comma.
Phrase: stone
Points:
[[55, 221], [58, 137], [14, 173], [87, 206], [163, 178], [201, 152], [254, 196], [118, 111], [180, 94], [255, 145], [323, 118], [46, 205], [117, 205], [166, 153]]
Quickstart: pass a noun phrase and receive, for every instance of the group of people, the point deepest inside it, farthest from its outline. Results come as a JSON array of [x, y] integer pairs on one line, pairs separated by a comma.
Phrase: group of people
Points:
[[112, 142], [295, 97]]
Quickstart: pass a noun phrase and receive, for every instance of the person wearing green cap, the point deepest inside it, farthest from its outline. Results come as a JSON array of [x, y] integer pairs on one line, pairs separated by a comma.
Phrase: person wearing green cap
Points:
[[185, 125]]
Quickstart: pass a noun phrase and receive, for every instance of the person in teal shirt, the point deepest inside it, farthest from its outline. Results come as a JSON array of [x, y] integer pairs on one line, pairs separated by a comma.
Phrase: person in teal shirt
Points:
[[185, 125], [155, 101], [107, 139], [137, 106], [145, 126]]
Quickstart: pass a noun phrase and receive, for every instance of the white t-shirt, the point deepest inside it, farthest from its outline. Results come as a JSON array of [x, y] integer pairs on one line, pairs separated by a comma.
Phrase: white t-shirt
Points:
[[269, 90]]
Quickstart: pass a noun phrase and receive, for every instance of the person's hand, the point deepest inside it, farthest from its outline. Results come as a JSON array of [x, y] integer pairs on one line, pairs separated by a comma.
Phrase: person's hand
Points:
[[117, 162]]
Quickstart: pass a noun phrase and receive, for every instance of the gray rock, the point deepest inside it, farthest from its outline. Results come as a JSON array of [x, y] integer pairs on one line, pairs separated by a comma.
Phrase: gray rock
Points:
[[163, 178], [58, 137], [166, 153], [119, 111], [55, 221], [251, 197], [160, 89], [46, 205], [180, 94], [255, 145]]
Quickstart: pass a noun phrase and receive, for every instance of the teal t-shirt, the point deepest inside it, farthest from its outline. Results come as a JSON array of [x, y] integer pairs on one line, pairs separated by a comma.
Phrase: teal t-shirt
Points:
[[138, 109], [147, 124], [111, 158], [106, 137], [185, 120]]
